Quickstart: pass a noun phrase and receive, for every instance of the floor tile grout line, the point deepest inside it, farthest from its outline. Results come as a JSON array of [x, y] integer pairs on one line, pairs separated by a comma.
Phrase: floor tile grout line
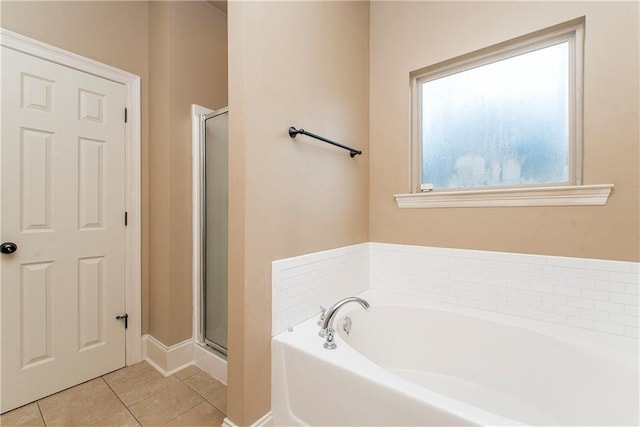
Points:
[[41, 414], [123, 404], [200, 394], [38, 402], [184, 412], [206, 399], [192, 375], [146, 397]]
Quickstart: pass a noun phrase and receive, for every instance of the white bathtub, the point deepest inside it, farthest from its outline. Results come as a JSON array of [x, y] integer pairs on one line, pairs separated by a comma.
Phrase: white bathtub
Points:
[[409, 365]]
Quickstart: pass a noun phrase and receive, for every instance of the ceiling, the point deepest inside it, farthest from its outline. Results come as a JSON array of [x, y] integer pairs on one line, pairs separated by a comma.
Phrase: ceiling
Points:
[[220, 4]]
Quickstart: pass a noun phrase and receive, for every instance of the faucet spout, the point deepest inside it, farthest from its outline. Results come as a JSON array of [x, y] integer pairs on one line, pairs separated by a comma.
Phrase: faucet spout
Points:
[[327, 325]]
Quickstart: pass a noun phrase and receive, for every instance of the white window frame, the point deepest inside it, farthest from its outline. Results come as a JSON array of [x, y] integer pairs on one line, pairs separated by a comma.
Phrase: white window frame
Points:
[[572, 192]]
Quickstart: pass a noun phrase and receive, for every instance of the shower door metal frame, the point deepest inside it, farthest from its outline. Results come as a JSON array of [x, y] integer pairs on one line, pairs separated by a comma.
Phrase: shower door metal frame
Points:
[[203, 230]]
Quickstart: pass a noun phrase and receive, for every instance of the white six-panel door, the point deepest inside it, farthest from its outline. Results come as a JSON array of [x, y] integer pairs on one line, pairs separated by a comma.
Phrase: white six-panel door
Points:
[[63, 204]]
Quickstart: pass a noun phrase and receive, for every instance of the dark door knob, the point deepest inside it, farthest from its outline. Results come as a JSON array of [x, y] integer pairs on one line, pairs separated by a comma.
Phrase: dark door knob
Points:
[[8, 248]]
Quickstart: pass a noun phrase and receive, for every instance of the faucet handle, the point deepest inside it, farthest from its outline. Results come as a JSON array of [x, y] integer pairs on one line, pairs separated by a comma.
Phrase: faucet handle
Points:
[[330, 343], [320, 322], [322, 313]]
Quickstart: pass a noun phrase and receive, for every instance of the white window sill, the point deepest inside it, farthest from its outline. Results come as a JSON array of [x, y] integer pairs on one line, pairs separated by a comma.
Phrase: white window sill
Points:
[[565, 195]]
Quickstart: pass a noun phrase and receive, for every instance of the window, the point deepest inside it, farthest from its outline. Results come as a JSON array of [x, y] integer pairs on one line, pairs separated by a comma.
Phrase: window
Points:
[[502, 123], [505, 118]]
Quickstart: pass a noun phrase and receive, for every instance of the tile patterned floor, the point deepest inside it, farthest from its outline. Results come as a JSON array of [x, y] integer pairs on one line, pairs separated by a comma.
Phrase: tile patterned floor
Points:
[[137, 395]]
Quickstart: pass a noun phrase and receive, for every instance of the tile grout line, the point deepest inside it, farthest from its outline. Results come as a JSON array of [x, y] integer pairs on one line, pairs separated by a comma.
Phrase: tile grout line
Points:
[[123, 404], [203, 396], [184, 412], [159, 391], [204, 399], [37, 402], [181, 380], [41, 414]]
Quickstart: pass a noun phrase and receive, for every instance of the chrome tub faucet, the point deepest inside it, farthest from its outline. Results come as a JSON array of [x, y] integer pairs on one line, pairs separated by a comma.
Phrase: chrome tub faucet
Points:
[[327, 325]]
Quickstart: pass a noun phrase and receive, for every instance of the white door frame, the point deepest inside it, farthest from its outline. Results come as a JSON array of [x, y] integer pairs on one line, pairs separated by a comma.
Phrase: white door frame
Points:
[[131, 82], [196, 218]]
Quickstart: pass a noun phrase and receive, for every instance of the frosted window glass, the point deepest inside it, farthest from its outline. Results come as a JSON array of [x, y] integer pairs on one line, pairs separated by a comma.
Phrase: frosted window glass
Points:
[[499, 124]]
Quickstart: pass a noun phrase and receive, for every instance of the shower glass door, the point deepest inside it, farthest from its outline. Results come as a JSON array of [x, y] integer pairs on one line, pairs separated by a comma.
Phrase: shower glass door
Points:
[[215, 229]]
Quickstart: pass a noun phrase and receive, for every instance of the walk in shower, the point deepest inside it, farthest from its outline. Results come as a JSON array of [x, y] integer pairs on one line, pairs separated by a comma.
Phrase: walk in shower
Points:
[[214, 207]]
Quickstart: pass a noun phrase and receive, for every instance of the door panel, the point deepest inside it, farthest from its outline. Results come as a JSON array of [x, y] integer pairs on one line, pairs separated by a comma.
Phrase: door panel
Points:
[[63, 203], [36, 309], [35, 163]]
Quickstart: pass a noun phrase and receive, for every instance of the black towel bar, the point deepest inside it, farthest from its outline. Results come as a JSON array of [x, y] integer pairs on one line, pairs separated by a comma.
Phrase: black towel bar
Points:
[[293, 132]]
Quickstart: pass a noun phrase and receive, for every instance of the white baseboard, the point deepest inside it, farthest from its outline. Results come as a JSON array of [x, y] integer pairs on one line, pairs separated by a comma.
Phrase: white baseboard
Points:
[[210, 362], [228, 423], [265, 421], [167, 360]]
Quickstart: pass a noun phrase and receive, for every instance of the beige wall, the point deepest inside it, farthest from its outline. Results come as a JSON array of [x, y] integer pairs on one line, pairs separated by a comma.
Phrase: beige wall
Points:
[[410, 35], [303, 64], [188, 65], [179, 49], [319, 65]]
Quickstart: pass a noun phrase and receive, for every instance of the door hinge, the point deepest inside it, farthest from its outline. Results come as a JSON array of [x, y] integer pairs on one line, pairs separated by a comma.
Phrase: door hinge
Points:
[[126, 319], [126, 218], [125, 115]]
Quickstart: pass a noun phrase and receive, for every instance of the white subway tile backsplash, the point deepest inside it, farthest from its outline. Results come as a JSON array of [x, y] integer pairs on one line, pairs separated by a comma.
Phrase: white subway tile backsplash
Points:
[[554, 279], [580, 302], [609, 307], [554, 299], [631, 332], [567, 290], [581, 323], [631, 289], [301, 284], [620, 319], [539, 315], [592, 294], [507, 309], [507, 292], [565, 271], [586, 313], [631, 310], [624, 277], [518, 302], [574, 291], [609, 328], [593, 274], [599, 295], [541, 287], [567, 310], [469, 302], [498, 299], [530, 295], [542, 306], [486, 305], [581, 282], [518, 284], [528, 276], [630, 299], [610, 286]]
